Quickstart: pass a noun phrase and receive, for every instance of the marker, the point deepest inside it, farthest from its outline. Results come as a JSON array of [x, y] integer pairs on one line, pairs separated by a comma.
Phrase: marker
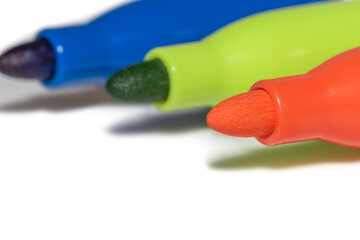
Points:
[[275, 44], [322, 104], [90, 54]]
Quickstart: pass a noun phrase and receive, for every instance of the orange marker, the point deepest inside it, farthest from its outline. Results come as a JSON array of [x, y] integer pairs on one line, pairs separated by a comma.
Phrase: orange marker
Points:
[[323, 104]]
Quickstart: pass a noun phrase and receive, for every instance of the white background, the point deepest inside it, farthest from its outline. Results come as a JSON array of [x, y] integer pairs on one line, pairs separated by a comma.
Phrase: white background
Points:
[[78, 165]]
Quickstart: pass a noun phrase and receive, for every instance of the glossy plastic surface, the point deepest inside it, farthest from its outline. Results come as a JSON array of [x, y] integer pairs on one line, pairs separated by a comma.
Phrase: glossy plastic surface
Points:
[[90, 54], [323, 104], [276, 44]]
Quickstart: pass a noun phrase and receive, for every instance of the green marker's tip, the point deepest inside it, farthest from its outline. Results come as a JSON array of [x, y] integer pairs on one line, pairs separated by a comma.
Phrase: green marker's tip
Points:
[[146, 82]]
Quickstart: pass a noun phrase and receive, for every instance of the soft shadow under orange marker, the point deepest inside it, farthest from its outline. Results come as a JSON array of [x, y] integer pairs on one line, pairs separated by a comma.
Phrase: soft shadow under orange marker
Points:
[[323, 104]]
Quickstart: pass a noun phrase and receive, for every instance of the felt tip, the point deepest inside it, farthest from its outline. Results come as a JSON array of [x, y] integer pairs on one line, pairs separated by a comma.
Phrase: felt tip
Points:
[[250, 114], [146, 82], [34, 60]]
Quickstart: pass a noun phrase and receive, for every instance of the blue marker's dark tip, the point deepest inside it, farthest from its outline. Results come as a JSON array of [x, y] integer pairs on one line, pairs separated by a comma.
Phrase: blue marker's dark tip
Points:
[[34, 60]]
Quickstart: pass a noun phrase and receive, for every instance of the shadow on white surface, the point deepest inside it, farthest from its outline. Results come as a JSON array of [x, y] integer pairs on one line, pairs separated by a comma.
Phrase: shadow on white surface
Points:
[[21, 96], [29, 95], [288, 156], [163, 122], [56, 101]]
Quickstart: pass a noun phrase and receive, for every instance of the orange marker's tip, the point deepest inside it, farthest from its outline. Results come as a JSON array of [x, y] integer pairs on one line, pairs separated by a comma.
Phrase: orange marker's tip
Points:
[[250, 114]]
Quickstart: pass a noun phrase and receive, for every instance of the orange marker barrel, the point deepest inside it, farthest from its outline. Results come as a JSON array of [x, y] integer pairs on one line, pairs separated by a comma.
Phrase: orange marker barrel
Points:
[[323, 104]]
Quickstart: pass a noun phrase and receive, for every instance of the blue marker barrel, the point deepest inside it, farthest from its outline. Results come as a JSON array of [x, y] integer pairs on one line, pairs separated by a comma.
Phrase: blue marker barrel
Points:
[[89, 54]]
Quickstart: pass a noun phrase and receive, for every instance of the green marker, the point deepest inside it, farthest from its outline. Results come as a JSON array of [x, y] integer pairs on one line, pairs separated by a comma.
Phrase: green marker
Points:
[[281, 43]]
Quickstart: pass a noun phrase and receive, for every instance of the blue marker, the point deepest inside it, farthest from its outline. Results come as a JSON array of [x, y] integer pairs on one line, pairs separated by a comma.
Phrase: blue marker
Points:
[[89, 54]]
